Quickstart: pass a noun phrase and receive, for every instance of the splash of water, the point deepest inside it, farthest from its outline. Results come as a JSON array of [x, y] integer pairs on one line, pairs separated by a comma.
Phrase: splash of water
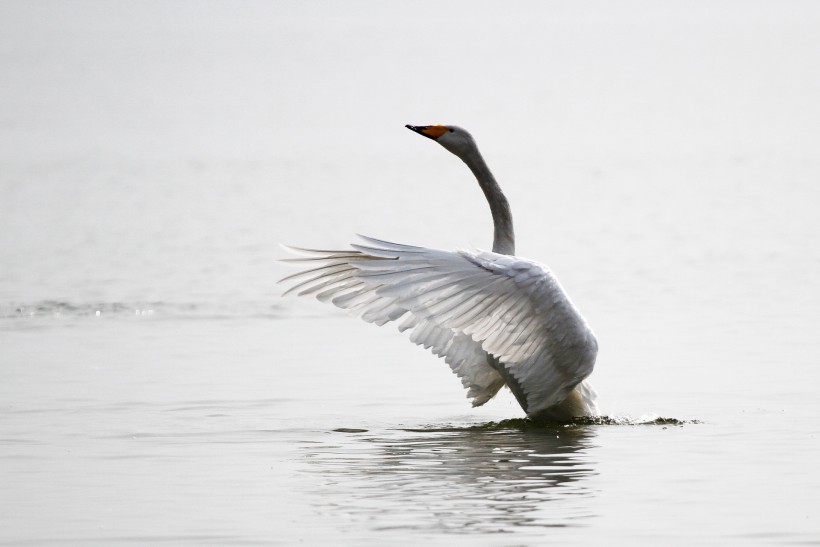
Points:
[[525, 424]]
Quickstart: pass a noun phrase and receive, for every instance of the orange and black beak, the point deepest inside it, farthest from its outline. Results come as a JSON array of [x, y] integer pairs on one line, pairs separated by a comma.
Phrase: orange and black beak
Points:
[[429, 131]]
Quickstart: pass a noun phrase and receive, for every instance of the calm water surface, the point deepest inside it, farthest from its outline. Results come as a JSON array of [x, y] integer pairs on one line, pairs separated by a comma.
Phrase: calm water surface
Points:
[[662, 160]]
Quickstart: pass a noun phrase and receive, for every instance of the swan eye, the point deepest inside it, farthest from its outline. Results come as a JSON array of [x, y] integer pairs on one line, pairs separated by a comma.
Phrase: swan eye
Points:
[[450, 129]]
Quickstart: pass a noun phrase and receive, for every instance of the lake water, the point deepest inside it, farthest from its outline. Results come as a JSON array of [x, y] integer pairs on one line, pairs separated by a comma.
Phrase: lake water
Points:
[[662, 158]]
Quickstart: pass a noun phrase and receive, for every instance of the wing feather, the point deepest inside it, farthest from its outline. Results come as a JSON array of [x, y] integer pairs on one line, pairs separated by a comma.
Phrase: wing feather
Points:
[[467, 308]]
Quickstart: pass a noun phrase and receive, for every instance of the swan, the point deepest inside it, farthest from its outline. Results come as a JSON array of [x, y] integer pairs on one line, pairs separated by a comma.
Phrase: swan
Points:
[[496, 319]]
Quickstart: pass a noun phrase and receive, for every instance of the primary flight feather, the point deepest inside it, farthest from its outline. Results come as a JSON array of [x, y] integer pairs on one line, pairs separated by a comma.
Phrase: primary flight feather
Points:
[[495, 318]]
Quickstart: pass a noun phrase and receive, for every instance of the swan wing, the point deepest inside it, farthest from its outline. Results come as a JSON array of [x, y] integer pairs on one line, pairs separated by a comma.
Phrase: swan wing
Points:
[[463, 306], [330, 276]]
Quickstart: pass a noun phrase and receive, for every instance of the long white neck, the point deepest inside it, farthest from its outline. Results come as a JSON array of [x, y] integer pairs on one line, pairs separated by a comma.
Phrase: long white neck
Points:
[[503, 234]]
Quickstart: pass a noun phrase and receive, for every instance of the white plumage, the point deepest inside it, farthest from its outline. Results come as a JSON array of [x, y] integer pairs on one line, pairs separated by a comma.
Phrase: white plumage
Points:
[[494, 318]]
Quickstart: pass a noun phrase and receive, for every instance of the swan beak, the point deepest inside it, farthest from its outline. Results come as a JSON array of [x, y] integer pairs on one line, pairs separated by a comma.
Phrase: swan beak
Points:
[[429, 131]]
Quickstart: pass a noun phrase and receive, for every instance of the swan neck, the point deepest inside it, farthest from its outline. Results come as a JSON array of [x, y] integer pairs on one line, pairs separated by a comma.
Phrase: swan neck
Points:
[[503, 234]]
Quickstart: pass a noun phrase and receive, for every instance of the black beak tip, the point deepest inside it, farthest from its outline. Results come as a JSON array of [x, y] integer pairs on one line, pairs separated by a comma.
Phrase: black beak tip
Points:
[[420, 130]]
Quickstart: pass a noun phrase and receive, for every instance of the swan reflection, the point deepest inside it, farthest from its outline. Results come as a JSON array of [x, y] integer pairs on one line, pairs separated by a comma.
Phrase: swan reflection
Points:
[[461, 480]]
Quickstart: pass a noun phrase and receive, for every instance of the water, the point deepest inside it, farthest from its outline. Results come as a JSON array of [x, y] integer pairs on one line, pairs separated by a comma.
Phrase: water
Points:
[[661, 158]]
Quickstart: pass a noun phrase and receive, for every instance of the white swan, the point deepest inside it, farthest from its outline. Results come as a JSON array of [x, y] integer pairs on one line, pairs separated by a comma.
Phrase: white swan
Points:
[[495, 318]]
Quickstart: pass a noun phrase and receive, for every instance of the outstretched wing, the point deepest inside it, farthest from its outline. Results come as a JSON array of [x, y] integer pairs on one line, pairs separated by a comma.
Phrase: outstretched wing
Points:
[[331, 275], [464, 305]]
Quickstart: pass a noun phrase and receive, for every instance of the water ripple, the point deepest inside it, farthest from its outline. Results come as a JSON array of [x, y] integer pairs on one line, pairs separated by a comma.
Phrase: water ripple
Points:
[[60, 309]]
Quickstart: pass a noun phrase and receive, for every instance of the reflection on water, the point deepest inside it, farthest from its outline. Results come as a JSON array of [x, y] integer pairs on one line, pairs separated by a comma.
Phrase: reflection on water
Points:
[[455, 480]]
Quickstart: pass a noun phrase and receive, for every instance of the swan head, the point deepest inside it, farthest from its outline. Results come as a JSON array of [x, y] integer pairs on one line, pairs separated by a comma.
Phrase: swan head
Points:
[[453, 138]]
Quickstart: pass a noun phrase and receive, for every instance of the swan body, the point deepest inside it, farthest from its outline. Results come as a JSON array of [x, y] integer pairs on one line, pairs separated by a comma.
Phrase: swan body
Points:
[[495, 318]]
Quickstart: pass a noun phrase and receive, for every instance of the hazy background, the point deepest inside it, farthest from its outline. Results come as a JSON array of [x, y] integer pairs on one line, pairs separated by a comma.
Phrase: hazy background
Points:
[[661, 157]]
